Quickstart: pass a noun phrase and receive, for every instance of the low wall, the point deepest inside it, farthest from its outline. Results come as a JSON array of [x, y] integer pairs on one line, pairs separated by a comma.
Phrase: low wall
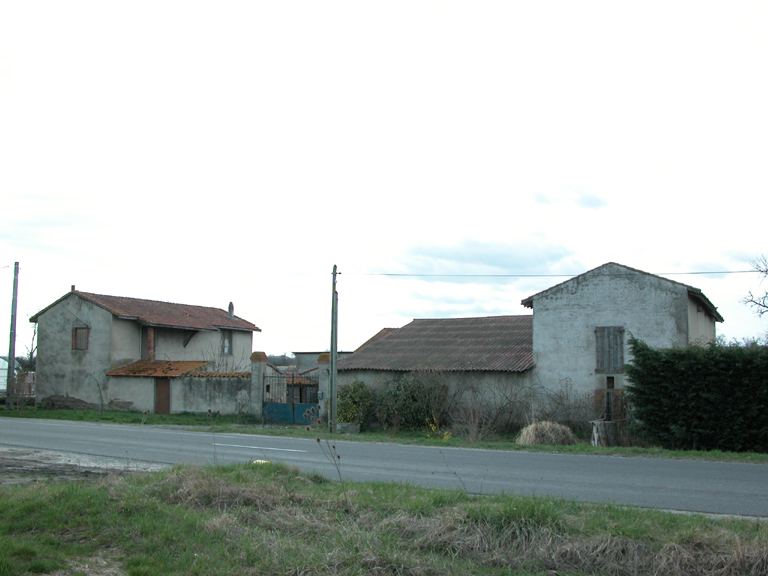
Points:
[[222, 394]]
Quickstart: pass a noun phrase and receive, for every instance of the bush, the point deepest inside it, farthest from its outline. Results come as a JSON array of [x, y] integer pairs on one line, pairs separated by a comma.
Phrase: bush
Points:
[[701, 397], [546, 432], [409, 403], [355, 404]]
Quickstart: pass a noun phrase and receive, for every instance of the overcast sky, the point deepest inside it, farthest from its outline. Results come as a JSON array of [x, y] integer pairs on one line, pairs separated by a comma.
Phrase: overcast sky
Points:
[[208, 152]]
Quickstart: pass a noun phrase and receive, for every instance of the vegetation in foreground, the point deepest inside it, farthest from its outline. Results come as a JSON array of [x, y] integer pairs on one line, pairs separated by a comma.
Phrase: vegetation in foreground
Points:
[[245, 424], [271, 519]]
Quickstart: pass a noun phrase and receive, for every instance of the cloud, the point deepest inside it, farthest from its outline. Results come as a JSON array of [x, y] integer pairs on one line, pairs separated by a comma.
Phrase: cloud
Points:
[[580, 199], [590, 201], [481, 262]]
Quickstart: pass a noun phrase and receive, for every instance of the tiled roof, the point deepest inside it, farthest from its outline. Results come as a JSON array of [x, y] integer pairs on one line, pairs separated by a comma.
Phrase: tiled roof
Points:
[[158, 368], [154, 313], [498, 343]]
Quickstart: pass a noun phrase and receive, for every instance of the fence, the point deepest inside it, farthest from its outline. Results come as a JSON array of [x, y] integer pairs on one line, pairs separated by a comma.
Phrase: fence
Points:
[[287, 397]]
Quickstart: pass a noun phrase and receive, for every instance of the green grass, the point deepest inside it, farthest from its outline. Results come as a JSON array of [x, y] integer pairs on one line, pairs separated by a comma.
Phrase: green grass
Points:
[[271, 519], [245, 424]]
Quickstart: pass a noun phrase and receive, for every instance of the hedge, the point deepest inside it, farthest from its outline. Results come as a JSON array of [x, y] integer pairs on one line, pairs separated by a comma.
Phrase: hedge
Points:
[[701, 397]]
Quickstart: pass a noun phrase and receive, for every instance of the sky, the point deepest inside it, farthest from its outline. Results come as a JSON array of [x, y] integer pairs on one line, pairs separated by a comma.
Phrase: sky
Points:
[[450, 157]]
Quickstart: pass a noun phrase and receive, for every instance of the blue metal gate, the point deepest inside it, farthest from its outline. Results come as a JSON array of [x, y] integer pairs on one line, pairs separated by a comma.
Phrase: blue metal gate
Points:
[[287, 397]]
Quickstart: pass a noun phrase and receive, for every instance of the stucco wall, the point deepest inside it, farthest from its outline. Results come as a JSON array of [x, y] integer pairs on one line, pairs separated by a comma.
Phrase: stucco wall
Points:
[[223, 395], [564, 321], [67, 372], [126, 342], [169, 345], [701, 326], [466, 390], [130, 393]]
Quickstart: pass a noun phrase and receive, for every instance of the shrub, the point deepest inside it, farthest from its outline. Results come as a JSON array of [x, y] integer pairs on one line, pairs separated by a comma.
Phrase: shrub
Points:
[[546, 432], [355, 404], [411, 403], [701, 397], [567, 406]]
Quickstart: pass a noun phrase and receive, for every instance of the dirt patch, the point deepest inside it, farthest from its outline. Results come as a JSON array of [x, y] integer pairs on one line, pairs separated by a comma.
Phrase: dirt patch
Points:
[[20, 465]]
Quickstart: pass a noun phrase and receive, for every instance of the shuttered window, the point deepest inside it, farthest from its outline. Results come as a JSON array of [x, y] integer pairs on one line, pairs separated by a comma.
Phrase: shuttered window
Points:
[[610, 349], [79, 338], [226, 342]]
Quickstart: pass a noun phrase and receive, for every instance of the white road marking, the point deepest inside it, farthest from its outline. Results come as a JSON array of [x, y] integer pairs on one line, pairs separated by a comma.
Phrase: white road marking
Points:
[[259, 448]]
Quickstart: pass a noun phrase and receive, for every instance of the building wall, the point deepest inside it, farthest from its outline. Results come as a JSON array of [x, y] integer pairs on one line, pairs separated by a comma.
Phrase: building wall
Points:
[[67, 372], [130, 393], [513, 391], [126, 342], [701, 326], [3, 374], [169, 345], [564, 321], [223, 395]]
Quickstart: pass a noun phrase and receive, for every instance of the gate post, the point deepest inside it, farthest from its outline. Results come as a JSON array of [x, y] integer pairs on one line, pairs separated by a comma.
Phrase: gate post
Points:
[[258, 364]]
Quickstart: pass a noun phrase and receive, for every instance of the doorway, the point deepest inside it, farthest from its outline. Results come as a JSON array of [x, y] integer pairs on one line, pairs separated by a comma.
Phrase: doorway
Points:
[[162, 396]]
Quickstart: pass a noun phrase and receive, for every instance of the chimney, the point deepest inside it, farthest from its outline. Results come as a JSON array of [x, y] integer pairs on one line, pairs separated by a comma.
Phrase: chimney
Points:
[[73, 287], [231, 309]]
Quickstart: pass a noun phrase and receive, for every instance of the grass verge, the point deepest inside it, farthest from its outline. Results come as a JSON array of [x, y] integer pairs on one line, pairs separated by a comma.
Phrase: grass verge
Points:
[[245, 424], [270, 519]]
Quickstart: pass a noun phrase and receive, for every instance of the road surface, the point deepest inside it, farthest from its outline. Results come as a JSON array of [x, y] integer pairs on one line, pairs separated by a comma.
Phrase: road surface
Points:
[[686, 485]]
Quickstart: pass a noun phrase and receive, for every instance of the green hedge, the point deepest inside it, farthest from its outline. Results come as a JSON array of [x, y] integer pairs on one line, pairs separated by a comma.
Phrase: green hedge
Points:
[[356, 404], [701, 397], [412, 403]]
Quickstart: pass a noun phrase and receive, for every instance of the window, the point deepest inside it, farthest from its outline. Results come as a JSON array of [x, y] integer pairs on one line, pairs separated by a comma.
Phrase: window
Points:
[[226, 342], [610, 349], [80, 338]]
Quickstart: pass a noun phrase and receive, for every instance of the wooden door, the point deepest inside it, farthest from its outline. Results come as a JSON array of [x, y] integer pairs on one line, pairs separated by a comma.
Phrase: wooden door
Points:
[[162, 396]]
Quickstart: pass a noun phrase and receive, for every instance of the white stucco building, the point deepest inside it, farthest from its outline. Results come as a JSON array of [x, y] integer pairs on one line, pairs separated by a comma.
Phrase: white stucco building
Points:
[[581, 327]]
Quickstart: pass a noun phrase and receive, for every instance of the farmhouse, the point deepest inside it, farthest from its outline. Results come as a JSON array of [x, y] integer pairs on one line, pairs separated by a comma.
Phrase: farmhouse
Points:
[[577, 336], [132, 353]]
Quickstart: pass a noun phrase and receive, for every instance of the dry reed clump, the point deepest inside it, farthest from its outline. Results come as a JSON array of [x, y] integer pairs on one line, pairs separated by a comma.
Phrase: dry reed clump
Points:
[[523, 545], [546, 432], [199, 488]]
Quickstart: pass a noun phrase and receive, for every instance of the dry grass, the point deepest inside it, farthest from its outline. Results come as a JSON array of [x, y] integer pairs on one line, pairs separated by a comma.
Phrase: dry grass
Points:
[[272, 520], [546, 433], [490, 537]]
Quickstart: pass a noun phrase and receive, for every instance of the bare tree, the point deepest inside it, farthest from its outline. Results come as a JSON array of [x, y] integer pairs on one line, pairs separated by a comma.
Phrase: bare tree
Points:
[[758, 302], [219, 362]]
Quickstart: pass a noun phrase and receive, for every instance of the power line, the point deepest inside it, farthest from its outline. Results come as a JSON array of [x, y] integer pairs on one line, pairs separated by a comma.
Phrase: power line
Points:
[[408, 275]]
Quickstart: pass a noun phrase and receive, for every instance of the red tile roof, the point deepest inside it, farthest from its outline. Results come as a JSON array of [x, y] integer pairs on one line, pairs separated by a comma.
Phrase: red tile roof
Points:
[[154, 313], [158, 368], [498, 343]]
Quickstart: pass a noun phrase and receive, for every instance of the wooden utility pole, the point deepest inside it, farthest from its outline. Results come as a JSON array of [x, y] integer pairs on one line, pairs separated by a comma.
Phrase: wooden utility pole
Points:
[[10, 385], [334, 354]]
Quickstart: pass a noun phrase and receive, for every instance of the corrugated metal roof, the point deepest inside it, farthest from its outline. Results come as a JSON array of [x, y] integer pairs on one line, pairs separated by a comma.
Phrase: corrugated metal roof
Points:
[[497, 343], [155, 313], [158, 368]]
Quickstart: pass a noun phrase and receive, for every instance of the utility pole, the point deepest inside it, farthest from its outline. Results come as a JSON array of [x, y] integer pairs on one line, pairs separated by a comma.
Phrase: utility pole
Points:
[[334, 354], [9, 383]]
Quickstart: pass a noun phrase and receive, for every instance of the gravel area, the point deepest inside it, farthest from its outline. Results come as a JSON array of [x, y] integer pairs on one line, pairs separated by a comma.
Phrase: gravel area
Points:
[[18, 465]]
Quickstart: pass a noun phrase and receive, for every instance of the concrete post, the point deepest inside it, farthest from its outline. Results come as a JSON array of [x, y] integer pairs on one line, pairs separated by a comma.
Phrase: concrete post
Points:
[[258, 366], [323, 382]]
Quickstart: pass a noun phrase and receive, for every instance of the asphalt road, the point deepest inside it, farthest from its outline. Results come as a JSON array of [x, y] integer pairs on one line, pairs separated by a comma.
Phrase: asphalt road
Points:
[[709, 487]]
